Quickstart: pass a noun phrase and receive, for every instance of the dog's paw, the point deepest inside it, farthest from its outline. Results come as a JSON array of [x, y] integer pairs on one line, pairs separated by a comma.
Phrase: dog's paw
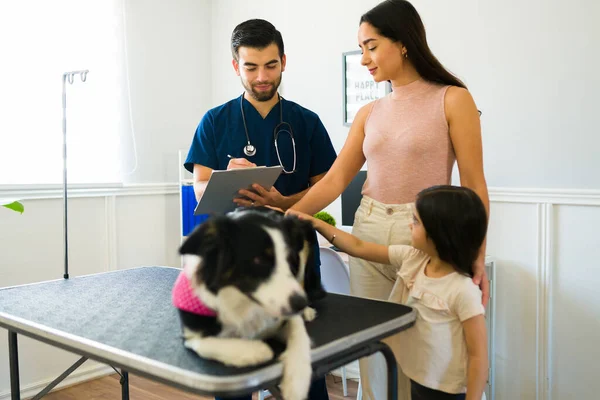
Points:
[[309, 314], [229, 351], [196, 344], [251, 353], [296, 378]]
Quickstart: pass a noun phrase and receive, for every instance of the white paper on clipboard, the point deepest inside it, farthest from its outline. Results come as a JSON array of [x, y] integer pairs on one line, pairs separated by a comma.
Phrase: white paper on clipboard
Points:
[[224, 185]]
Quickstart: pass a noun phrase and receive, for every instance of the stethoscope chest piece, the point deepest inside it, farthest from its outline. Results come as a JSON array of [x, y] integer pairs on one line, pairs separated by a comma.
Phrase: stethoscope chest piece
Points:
[[249, 150]]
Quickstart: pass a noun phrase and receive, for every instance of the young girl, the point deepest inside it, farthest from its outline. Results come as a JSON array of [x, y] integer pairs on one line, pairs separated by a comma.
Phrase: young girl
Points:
[[445, 353]]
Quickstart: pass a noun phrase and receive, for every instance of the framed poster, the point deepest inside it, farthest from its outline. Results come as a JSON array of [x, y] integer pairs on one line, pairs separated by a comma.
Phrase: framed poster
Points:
[[359, 86]]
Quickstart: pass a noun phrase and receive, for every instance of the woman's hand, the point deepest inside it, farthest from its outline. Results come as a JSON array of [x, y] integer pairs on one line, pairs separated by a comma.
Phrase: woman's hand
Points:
[[480, 278]]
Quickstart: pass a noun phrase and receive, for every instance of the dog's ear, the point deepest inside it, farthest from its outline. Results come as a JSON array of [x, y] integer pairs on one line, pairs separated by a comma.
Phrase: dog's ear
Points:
[[211, 241], [296, 231], [205, 237], [312, 275], [303, 236]]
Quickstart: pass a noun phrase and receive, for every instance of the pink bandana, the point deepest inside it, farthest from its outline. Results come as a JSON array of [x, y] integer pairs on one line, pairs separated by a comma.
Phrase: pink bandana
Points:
[[185, 299]]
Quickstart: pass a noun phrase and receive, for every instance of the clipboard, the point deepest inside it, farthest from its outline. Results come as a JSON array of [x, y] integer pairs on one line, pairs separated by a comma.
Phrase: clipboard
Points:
[[224, 185]]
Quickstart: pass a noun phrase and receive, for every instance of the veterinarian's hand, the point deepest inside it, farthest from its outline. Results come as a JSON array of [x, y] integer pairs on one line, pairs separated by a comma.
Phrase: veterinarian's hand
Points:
[[261, 197], [480, 278], [237, 163]]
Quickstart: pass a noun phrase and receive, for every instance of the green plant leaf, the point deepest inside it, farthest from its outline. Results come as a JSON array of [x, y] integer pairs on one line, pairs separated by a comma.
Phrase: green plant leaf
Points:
[[325, 216], [15, 206]]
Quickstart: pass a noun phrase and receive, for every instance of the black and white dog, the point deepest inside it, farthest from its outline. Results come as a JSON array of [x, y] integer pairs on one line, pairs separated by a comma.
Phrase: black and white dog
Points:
[[253, 273]]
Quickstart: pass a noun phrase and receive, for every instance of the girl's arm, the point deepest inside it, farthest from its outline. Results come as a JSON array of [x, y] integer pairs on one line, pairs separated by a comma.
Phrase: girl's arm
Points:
[[465, 133], [477, 373], [345, 167], [347, 242]]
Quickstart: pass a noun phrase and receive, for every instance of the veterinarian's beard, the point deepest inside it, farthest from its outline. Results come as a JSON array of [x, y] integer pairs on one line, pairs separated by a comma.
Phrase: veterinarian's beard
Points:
[[262, 96]]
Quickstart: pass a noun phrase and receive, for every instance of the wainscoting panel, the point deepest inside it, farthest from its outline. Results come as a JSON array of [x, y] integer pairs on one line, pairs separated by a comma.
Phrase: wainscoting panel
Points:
[[147, 230], [108, 229], [32, 250], [512, 240], [545, 243], [574, 303]]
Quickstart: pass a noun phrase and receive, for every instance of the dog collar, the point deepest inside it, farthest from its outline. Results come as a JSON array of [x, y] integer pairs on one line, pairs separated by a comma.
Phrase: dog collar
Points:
[[185, 299]]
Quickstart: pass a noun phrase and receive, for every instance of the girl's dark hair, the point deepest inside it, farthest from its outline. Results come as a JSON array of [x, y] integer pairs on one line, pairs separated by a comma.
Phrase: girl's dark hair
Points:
[[398, 21], [255, 33], [455, 220]]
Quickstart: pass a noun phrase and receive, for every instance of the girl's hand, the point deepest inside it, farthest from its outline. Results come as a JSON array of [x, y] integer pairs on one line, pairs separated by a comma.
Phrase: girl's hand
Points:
[[302, 216]]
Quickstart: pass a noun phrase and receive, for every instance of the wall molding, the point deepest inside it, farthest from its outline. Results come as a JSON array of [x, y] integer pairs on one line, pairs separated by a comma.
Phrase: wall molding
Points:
[[39, 192], [545, 219], [111, 233], [558, 196], [582, 197]]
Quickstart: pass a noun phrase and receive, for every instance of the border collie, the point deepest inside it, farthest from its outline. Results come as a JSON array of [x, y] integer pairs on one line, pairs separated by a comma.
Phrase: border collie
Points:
[[248, 276]]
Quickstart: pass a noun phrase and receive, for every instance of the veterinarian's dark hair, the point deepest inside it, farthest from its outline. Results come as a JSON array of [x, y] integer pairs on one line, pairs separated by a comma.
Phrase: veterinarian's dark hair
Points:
[[399, 21], [255, 33], [455, 220]]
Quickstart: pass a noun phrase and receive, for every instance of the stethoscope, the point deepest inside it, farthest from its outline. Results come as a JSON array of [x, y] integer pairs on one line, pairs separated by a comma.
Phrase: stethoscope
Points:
[[250, 149]]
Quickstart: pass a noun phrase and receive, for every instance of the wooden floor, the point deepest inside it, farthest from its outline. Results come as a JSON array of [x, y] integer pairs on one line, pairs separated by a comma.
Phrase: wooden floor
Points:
[[108, 388]]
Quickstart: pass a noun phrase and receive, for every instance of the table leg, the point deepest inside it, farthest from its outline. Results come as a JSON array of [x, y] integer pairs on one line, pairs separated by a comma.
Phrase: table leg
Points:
[[392, 371], [124, 385], [13, 351], [276, 393]]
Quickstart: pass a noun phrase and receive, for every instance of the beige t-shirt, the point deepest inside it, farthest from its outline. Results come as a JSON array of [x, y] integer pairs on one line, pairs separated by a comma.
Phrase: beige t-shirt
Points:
[[434, 351]]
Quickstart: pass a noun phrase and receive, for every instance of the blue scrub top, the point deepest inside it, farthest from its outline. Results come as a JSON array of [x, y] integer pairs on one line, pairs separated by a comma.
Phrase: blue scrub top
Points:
[[221, 132]]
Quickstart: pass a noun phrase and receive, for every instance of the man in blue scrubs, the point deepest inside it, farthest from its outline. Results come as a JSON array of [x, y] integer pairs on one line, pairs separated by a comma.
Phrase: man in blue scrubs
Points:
[[244, 132]]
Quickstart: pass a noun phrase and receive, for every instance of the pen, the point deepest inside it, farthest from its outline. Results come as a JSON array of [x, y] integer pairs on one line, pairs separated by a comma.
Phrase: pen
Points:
[[229, 155]]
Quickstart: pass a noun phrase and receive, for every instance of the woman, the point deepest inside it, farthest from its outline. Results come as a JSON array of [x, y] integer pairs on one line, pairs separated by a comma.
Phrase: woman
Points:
[[428, 122]]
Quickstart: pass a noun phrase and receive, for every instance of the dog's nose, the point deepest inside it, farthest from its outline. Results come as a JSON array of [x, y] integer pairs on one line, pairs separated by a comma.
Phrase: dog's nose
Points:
[[298, 302]]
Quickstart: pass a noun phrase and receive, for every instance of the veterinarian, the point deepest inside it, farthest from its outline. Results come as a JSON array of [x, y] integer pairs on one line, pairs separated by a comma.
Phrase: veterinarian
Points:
[[410, 140], [260, 128]]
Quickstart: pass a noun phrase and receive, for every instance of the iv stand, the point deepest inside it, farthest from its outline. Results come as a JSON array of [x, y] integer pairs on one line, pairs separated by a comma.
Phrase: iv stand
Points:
[[67, 77]]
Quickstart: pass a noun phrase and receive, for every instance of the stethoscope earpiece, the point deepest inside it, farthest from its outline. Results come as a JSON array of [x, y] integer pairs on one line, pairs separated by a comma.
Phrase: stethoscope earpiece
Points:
[[249, 150]]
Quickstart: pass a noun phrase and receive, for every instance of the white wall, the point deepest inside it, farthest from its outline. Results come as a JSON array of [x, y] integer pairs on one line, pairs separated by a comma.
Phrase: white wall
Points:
[[530, 66], [511, 54], [170, 79]]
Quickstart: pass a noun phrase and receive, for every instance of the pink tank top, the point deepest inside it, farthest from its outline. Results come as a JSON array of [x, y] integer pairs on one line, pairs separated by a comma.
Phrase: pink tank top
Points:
[[407, 143], [185, 299]]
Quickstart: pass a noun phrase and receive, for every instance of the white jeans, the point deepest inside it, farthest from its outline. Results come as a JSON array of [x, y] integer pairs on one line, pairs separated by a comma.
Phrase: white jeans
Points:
[[384, 224]]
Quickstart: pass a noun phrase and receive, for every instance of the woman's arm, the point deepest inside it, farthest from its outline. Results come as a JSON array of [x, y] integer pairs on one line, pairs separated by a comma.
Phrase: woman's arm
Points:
[[477, 372], [345, 167], [347, 242], [465, 133]]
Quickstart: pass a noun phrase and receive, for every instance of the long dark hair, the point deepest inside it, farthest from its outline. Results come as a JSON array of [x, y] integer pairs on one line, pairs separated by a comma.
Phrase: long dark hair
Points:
[[455, 220], [399, 21]]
